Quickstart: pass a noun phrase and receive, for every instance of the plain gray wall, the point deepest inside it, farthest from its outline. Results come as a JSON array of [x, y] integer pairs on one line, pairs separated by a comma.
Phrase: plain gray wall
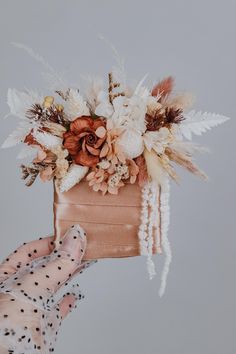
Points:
[[195, 42]]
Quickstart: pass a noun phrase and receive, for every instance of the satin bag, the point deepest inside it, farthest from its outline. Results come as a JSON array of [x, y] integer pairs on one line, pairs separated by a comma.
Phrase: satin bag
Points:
[[111, 222]]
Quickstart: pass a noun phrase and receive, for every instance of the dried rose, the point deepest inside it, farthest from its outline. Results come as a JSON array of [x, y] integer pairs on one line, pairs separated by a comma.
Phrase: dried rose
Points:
[[85, 139]]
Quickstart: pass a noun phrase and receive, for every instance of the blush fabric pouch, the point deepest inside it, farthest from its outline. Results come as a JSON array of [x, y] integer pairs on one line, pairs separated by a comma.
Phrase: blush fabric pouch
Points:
[[111, 222]]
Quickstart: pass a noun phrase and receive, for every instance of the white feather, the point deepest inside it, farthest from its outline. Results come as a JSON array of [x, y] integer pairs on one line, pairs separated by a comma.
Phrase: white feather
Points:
[[199, 122], [140, 90], [73, 177], [75, 106], [46, 139]]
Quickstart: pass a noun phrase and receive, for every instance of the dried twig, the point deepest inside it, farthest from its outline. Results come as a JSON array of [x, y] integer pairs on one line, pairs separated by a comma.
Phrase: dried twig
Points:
[[32, 172], [29, 173], [112, 86]]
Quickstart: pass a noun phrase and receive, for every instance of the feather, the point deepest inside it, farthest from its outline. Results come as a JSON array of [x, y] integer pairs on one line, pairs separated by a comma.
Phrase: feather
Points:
[[164, 87], [186, 162], [164, 160], [93, 88], [46, 139], [140, 90], [119, 70], [199, 122], [75, 106], [187, 147], [74, 175], [154, 167]]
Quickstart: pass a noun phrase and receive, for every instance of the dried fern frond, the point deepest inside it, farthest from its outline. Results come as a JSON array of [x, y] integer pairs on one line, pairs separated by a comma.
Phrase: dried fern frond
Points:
[[112, 86]]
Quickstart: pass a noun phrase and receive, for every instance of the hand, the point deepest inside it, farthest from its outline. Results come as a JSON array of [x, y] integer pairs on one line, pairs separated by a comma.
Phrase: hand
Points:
[[31, 279]]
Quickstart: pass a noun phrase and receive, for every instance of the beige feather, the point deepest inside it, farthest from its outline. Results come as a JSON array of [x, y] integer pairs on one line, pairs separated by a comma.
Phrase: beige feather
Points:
[[186, 162], [184, 101], [155, 169]]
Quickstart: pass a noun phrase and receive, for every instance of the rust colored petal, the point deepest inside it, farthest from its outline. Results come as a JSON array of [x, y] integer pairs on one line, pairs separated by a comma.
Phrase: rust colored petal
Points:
[[71, 143], [81, 123], [98, 123], [85, 159], [30, 140]]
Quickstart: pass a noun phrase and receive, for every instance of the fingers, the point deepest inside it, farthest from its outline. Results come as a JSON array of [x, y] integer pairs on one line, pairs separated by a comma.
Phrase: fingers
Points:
[[24, 255], [46, 275], [68, 303]]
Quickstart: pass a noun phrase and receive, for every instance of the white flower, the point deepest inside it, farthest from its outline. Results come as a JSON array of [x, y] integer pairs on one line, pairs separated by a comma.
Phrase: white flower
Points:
[[131, 143], [75, 106], [157, 140], [104, 107]]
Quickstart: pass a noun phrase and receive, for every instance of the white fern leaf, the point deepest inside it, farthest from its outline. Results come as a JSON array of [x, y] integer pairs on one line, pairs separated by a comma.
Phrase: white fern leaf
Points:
[[46, 139], [20, 101], [73, 177], [199, 122]]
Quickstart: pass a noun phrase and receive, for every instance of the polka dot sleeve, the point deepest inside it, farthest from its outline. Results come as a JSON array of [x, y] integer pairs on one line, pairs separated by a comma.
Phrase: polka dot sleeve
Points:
[[37, 290]]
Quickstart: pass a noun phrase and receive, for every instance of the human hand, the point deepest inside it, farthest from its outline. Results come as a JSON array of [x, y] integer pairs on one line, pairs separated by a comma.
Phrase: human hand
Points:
[[31, 281]]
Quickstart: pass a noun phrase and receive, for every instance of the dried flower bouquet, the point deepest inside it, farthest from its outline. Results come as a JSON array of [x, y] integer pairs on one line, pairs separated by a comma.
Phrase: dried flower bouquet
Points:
[[110, 137]]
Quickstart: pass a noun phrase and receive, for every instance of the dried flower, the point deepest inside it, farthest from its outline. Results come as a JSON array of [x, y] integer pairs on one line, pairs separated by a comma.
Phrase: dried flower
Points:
[[164, 118], [109, 178], [62, 164], [85, 139]]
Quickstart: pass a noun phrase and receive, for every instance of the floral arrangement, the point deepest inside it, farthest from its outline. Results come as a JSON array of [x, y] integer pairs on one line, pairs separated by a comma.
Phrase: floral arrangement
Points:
[[111, 136]]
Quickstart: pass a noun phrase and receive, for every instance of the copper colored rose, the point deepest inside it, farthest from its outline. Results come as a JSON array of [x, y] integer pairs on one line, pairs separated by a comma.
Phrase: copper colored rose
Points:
[[85, 139]]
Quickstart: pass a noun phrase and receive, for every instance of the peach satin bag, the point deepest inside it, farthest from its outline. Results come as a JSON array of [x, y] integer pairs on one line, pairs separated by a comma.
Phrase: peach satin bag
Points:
[[111, 221]]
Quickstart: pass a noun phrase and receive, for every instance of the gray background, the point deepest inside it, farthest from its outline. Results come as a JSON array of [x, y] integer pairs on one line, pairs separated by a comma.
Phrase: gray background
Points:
[[195, 42]]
